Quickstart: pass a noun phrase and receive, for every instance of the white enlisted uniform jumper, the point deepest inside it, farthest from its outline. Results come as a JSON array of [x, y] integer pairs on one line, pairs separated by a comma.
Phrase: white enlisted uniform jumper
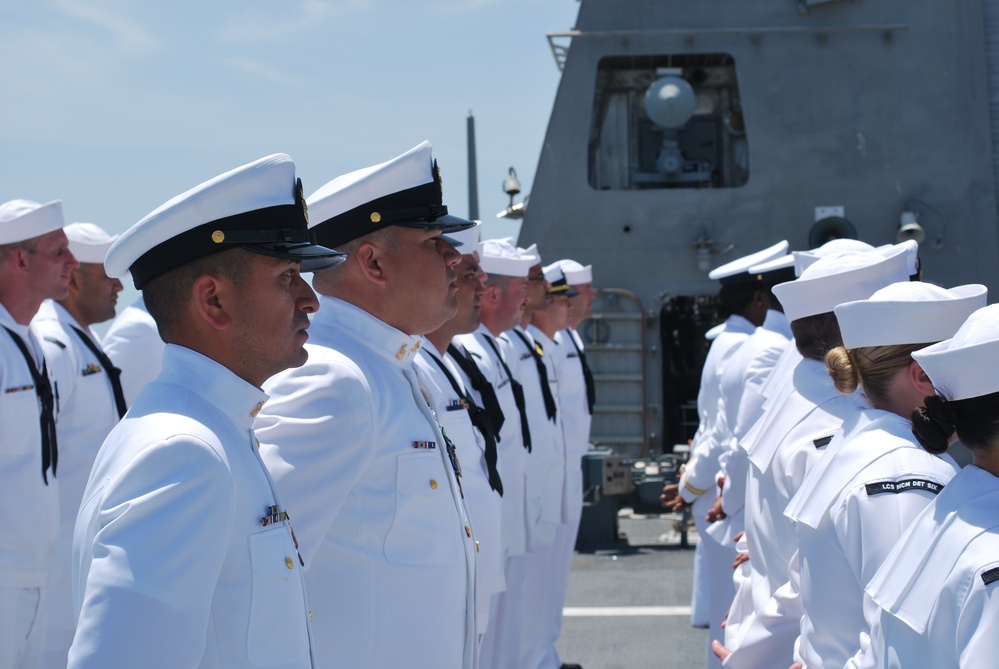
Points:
[[483, 503], [133, 343], [183, 556], [87, 413], [788, 442], [31, 523], [501, 647], [936, 596], [541, 591], [849, 512], [357, 453]]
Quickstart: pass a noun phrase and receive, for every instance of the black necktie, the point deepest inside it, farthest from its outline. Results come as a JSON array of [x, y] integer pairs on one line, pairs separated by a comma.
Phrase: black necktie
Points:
[[50, 450], [546, 389], [480, 419], [114, 374], [591, 391], [518, 394], [482, 386]]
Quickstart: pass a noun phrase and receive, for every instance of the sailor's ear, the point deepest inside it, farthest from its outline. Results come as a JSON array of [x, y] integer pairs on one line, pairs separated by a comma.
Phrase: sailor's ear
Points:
[[369, 257], [212, 295]]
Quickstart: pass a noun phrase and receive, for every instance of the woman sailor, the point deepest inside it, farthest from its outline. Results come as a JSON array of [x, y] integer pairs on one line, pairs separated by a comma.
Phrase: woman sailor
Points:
[[874, 479], [936, 599]]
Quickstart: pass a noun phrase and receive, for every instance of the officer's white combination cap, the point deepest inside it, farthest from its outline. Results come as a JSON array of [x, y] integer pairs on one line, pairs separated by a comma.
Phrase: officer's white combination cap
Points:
[[21, 220], [258, 206], [839, 278], [576, 273], [557, 282], [501, 257], [908, 312], [406, 191], [737, 271], [468, 239], [964, 366], [89, 243]]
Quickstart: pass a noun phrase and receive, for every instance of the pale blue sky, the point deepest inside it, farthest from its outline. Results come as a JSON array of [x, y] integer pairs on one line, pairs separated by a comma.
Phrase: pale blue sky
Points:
[[114, 106]]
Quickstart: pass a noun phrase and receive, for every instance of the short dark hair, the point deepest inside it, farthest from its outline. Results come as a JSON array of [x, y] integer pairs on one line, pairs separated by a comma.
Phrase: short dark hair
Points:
[[733, 298], [816, 335], [976, 421], [166, 296]]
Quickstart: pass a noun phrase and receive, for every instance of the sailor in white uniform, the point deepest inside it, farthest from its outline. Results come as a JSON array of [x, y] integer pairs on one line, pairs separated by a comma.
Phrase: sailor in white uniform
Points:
[[577, 395], [546, 322], [183, 553], [469, 427], [35, 265], [742, 383], [90, 404], [351, 439], [744, 303], [767, 380], [874, 478], [134, 346], [790, 438], [485, 353], [934, 600]]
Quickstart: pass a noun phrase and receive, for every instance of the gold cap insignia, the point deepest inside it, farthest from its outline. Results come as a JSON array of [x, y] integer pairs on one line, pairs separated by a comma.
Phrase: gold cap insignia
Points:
[[218, 236], [376, 217]]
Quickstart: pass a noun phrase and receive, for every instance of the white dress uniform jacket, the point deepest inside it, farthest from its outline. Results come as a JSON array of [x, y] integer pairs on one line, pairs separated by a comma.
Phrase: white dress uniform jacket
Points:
[[87, 412], [936, 593], [785, 446], [174, 565], [133, 343], [483, 503], [353, 446], [700, 474], [851, 509]]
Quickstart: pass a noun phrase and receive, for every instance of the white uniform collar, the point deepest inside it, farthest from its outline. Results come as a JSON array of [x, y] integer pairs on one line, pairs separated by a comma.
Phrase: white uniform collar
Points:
[[215, 383], [7, 321], [844, 459], [53, 311], [347, 320], [739, 324], [907, 583], [812, 387], [776, 321], [539, 336]]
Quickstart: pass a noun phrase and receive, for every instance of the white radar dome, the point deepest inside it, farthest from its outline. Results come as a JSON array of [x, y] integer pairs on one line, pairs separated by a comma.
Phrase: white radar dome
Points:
[[670, 101]]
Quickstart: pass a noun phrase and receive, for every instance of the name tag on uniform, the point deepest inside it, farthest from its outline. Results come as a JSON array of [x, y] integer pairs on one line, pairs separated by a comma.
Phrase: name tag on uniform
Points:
[[572, 355], [901, 486], [457, 405], [525, 356], [425, 445]]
